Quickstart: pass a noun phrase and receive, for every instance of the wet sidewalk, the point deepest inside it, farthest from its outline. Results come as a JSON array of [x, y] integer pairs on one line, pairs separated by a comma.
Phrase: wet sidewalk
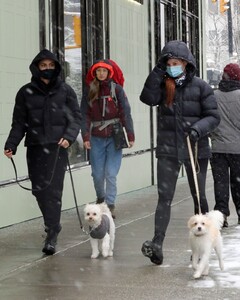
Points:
[[70, 274]]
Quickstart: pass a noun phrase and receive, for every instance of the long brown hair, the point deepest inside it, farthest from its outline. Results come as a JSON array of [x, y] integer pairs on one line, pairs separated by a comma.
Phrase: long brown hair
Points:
[[170, 90], [94, 88]]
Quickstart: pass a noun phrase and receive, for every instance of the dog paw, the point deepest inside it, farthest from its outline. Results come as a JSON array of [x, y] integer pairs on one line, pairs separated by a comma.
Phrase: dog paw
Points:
[[110, 253], [205, 273], [105, 254], [94, 255], [197, 275]]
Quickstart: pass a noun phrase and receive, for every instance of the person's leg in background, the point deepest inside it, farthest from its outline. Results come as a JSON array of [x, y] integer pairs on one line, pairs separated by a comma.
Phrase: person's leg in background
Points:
[[234, 163], [220, 172], [112, 167], [98, 156]]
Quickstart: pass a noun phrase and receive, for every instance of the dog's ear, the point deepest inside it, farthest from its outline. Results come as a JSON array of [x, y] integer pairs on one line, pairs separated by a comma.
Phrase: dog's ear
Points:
[[190, 222], [85, 208]]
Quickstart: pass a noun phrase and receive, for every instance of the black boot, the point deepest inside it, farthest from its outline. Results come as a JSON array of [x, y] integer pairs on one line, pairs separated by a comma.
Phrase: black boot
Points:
[[99, 200], [51, 241], [225, 222], [112, 209], [153, 251]]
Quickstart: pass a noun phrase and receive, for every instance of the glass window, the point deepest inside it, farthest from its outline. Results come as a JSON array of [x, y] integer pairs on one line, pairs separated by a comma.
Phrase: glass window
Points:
[[166, 25], [73, 65], [177, 20]]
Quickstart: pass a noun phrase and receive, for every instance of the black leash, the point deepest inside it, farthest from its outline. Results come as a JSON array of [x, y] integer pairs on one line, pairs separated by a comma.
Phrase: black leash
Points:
[[45, 187], [74, 196]]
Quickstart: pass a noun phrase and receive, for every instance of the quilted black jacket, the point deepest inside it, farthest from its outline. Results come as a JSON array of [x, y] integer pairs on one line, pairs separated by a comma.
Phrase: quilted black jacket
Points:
[[194, 106], [44, 113]]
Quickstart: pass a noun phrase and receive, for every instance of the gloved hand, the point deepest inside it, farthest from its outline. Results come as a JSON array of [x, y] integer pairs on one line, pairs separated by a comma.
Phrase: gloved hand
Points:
[[193, 135]]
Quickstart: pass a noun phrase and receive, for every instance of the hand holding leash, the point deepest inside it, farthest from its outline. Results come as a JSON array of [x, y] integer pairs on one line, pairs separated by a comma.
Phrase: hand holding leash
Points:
[[63, 143], [193, 135], [8, 153]]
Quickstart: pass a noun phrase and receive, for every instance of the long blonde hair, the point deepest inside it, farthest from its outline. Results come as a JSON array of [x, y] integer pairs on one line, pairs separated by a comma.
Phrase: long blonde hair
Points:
[[94, 88]]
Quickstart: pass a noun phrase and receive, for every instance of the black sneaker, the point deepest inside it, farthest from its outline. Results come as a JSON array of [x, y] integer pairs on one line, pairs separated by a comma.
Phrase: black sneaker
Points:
[[153, 251], [100, 200], [112, 210]]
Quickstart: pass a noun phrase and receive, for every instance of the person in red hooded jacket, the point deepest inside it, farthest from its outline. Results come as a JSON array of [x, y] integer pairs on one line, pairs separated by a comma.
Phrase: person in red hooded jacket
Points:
[[102, 108]]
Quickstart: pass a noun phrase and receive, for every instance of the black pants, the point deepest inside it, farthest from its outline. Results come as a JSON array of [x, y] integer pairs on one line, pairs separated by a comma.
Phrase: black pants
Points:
[[40, 160], [167, 173], [226, 176]]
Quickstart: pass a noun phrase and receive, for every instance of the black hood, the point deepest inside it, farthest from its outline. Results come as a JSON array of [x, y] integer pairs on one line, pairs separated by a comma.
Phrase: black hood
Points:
[[44, 54], [178, 49]]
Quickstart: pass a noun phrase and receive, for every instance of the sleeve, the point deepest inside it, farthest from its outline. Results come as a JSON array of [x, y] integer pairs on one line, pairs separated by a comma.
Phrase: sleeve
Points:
[[210, 115], [19, 123], [125, 112], [152, 90], [73, 116]]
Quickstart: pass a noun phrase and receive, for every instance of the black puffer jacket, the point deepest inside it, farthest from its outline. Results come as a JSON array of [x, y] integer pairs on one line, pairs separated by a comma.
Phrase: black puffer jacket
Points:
[[45, 113], [194, 106]]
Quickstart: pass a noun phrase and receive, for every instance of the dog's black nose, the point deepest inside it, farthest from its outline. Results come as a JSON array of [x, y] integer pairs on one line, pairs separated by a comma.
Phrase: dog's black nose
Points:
[[199, 228]]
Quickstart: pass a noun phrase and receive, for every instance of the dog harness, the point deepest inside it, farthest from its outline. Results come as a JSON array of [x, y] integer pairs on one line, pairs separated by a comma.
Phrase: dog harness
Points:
[[100, 231]]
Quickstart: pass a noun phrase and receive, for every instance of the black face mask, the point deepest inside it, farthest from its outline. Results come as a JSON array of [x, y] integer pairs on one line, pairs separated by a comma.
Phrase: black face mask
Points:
[[47, 73]]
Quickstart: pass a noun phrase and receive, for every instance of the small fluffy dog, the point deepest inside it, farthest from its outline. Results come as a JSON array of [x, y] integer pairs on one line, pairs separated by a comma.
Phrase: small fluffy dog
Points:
[[204, 236], [102, 229]]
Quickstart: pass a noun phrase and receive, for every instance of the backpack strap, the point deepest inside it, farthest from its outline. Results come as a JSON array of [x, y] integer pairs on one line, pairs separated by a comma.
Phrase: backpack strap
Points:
[[113, 93]]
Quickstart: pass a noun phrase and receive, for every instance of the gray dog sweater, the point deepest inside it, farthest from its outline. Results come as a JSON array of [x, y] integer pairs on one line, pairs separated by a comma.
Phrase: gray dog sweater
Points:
[[100, 231]]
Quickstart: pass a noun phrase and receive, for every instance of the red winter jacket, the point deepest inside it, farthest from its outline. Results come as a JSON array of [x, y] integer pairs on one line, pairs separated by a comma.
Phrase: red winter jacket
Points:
[[113, 109]]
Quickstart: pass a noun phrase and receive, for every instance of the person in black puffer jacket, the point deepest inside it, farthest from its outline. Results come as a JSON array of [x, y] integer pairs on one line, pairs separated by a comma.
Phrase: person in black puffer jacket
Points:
[[47, 113], [186, 107]]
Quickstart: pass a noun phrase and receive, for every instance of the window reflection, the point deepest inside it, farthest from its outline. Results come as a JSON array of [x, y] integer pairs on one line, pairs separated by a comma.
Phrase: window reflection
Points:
[[73, 65]]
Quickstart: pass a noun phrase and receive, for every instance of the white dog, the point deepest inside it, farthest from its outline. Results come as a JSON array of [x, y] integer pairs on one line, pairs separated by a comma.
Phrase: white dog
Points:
[[204, 236], [102, 229]]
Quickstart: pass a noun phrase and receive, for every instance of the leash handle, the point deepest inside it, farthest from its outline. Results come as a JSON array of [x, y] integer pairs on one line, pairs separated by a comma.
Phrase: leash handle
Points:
[[194, 172]]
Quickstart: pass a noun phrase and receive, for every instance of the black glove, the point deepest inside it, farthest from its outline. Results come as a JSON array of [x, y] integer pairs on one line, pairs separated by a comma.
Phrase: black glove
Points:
[[193, 135]]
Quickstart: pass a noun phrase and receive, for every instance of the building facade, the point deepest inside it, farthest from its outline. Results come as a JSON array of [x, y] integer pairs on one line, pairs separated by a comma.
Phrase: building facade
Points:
[[222, 37], [131, 32]]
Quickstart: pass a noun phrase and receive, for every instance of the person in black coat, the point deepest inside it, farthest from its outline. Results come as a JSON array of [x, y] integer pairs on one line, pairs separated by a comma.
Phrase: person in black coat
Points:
[[47, 113], [186, 107]]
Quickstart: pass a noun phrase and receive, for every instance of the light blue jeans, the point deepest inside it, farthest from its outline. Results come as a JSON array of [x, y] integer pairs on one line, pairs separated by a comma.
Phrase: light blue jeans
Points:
[[105, 162]]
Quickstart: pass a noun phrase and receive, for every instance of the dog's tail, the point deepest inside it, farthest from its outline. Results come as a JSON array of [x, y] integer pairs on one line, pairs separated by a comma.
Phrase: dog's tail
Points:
[[217, 217]]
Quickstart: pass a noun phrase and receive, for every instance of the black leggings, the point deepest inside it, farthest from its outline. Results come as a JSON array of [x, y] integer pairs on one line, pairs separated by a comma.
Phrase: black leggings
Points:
[[40, 160], [167, 174]]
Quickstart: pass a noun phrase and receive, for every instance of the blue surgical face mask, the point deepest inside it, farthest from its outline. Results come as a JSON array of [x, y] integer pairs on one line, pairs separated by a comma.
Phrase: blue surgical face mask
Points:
[[174, 71]]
